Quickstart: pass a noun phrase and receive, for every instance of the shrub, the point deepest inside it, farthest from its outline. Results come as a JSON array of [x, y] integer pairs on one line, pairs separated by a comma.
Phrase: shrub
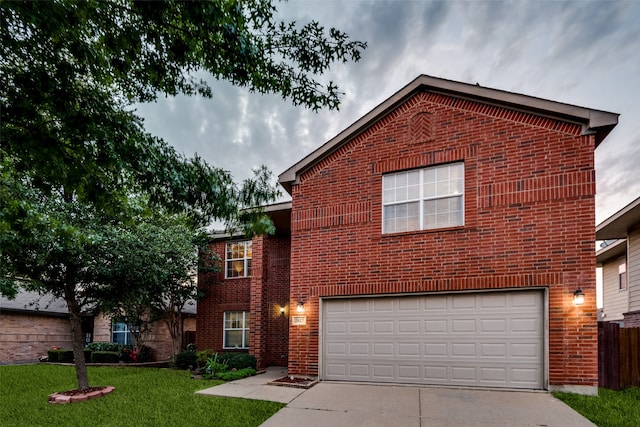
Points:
[[87, 355], [235, 375], [214, 366], [60, 356], [238, 360], [104, 346], [105, 357], [129, 354], [203, 356], [185, 360]]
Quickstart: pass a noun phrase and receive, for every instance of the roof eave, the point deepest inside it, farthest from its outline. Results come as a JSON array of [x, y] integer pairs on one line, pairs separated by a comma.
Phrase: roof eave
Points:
[[618, 224], [595, 122]]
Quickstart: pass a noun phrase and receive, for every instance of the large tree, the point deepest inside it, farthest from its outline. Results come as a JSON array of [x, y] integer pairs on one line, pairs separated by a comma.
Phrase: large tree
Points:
[[72, 149], [71, 70], [155, 261]]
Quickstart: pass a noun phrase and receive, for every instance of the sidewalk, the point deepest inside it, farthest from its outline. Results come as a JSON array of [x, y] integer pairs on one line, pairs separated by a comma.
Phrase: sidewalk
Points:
[[256, 387]]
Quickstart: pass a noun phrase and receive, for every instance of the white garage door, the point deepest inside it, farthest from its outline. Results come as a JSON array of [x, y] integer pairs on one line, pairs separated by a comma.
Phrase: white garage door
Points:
[[491, 339]]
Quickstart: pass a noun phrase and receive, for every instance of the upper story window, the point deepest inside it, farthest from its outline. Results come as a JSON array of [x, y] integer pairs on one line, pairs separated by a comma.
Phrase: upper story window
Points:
[[238, 259], [423, 199], [622, 273]]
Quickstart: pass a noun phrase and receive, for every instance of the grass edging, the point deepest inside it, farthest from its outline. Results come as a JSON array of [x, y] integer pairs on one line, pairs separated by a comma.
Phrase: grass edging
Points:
[[609, 409]]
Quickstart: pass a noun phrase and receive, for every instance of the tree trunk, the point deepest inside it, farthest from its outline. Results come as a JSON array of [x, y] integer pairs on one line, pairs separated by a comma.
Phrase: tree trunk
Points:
[[75, 318], [174, 330]]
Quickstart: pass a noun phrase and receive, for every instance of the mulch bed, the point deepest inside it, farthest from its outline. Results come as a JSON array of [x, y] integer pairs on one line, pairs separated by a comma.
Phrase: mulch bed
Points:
[[294, 381], [72, 396]]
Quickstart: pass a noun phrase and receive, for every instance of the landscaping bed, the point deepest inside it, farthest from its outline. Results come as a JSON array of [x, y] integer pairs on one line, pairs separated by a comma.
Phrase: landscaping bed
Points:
[[295, 381]]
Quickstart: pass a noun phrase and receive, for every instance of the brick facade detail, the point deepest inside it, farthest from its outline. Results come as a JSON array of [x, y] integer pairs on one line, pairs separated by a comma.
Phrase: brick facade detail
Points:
[[262, 295], [528, 221]]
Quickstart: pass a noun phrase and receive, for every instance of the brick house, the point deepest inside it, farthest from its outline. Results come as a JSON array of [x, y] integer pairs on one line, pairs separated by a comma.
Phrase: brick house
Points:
[[437, 240], [32, 324], [620, 262]]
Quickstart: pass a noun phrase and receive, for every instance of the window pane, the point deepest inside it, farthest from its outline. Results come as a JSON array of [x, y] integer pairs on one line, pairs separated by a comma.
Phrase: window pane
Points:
[[119, 338], [233, 338], [442, 189]]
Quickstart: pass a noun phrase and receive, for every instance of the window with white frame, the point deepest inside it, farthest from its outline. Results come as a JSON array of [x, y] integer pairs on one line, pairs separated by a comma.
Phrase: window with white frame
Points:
[[236, 329], [423, 199], [120, 333], [622, 273], [238, 259]]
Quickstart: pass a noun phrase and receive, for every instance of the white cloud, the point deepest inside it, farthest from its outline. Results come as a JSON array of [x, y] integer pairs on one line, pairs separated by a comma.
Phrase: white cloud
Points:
[[577, 52]]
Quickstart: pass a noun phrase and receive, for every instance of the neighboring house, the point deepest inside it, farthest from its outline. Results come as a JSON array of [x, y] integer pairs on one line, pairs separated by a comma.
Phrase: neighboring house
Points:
[[440, 239], [620, 262], [32, 324]]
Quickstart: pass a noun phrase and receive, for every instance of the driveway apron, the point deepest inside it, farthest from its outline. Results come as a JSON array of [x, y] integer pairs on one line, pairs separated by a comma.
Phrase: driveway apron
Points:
[[340, 404]]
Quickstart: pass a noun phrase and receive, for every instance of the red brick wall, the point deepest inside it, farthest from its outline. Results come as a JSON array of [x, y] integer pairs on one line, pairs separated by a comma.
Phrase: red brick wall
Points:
[[263, 294], [220, 295], [529, 221], [276, 252]]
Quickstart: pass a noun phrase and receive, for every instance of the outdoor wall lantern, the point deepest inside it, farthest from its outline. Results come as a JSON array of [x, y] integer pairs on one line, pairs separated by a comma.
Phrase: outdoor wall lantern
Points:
[[282, 310], [300, 307], [578, 297]]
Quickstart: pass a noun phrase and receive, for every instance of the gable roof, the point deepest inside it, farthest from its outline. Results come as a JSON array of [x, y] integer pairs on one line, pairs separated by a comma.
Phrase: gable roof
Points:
[[613, 250], [593, 121], [618, 224], [34, 303]]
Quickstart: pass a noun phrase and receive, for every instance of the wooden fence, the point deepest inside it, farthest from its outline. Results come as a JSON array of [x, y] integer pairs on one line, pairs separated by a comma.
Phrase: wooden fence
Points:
[[618, 356]]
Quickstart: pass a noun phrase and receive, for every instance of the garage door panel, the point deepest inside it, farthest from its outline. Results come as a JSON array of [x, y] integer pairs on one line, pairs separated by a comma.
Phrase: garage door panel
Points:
[[483, 339]]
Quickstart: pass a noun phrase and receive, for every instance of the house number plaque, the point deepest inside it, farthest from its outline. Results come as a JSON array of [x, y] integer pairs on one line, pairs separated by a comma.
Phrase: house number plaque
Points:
[[298, 320]]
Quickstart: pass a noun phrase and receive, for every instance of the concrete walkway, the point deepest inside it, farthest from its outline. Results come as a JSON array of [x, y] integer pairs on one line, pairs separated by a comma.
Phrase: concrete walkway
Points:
[[347, 404], [256, 388]]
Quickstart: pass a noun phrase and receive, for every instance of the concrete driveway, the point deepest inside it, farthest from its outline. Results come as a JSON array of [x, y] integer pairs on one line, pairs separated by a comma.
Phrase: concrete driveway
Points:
[[339, 404], [346, 404]]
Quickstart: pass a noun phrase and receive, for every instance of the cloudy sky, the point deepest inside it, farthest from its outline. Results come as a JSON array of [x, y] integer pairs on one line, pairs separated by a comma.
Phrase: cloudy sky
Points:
[[585, 53]]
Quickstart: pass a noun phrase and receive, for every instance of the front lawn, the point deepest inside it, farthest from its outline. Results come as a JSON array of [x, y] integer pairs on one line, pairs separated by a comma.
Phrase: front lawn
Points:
[[608, 409], [143, 397]]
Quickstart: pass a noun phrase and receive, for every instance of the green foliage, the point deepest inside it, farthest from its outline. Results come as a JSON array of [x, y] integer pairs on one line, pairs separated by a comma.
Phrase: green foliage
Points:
[[73, 153], [105, 357], [202, 356], [235, 375], [104, 346], [60, 356], [71, 72], [214, 366], [142, 397], [185, 360], [238, 360], [609, 409]]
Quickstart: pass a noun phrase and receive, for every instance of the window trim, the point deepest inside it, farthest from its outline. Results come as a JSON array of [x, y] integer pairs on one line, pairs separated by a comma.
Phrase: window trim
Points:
[[127, 332], [622, 264], [422, 198], [244, 328], [246, 260]]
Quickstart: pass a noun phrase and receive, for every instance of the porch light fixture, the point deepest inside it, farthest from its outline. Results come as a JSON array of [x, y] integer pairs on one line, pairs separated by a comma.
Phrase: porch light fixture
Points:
[[282, 309], [578, 297], [300, 307]]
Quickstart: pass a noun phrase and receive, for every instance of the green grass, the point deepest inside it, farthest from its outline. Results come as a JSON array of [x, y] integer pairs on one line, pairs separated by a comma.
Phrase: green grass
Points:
[[143, 397], [608, 409]]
